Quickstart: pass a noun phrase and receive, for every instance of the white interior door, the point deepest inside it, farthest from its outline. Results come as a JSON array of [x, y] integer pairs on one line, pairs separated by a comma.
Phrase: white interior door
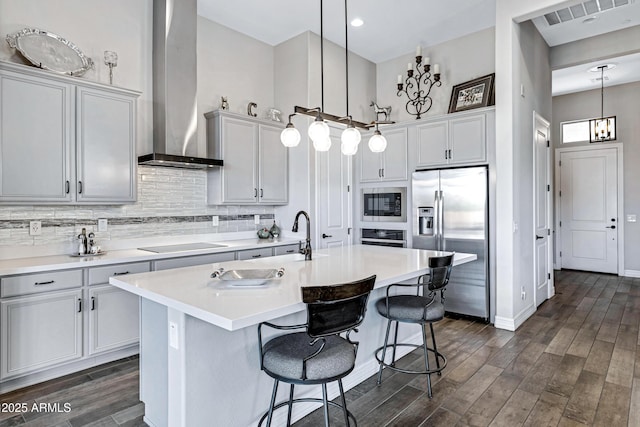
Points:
[[542, 251], [589, 210], [334, 197]]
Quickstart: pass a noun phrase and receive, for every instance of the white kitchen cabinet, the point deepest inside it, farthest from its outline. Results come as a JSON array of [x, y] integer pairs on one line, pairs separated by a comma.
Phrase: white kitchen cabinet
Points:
[[40, 331], [391, 164], [256, 165], [286, 250], [106, 150], [113, 318], [254, 253], [65, 140], [460, 140]]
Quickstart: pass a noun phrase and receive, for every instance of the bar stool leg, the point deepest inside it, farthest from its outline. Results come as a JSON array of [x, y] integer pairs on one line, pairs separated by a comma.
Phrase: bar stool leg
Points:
[[326, 404], [344, 403], [273, 402], [384, 351], [395, 345], [290, 406], [426, 359], [435, 349]]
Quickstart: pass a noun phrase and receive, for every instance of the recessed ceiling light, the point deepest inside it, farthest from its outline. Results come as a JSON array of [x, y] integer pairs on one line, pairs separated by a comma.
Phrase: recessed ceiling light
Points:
[[589, 20], [357, 22]]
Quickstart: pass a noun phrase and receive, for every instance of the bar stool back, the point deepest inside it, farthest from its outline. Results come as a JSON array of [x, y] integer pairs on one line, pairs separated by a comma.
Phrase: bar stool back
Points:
[[424, 306], [320, 354]]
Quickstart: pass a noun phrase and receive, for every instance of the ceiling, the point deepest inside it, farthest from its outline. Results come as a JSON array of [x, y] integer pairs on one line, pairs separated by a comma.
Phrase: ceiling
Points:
[[392, 29]]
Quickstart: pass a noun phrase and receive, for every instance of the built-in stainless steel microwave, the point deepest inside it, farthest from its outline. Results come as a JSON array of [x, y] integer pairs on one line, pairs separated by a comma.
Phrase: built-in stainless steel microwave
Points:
[[384, 204]]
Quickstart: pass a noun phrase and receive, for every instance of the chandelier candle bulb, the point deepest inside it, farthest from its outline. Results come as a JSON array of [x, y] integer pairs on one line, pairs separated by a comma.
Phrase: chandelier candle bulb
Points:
[[399, 78], [427, 60], [436, 69], [419, 50], [409, 66]]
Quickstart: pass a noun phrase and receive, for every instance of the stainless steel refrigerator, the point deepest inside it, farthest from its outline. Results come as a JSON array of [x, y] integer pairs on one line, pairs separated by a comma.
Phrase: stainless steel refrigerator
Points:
[[450, 213]]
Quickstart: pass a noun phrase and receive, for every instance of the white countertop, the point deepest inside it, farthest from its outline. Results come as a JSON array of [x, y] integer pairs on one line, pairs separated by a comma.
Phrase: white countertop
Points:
[[63, 262], [191, 290]]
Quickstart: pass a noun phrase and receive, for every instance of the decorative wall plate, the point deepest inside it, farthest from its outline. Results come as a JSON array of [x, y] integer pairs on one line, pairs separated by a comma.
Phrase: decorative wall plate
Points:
[[50, 51]]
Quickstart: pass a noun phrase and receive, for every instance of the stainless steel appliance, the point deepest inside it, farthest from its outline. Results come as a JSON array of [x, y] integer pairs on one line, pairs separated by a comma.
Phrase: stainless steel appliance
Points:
[[379, 237], [450, 210], [384, 204]]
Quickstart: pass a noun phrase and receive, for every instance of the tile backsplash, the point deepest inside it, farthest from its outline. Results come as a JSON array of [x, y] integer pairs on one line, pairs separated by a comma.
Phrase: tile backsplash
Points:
[[171, 202]]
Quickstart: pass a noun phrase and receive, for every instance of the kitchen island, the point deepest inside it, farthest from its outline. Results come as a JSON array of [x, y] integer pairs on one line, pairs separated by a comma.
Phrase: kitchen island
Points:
[[199, 363]]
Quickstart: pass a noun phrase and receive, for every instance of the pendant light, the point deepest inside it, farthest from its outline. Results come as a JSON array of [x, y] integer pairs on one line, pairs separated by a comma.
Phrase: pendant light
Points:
[[319, 131], [604, 128]]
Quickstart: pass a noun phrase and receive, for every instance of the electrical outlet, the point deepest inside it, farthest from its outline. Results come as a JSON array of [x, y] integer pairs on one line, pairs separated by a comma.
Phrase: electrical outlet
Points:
[[523, 294], [256, 219], [35, 228], [215, 220], [102, 224], [631, 218]]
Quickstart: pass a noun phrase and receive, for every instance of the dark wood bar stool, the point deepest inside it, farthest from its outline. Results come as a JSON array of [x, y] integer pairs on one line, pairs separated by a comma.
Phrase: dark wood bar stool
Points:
[[323, 352], [424, 306]]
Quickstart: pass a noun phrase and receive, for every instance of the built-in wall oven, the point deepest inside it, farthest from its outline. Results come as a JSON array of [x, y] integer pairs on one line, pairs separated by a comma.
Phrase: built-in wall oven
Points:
[[384, 204], [380, 237]]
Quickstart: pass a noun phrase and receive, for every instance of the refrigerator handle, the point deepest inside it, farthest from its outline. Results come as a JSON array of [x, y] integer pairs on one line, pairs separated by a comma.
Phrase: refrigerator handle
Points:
[[441, 222], [436, 219]]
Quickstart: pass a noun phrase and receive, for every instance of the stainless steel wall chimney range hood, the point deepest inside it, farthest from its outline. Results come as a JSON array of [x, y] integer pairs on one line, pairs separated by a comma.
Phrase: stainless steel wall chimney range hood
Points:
[[174, 87]]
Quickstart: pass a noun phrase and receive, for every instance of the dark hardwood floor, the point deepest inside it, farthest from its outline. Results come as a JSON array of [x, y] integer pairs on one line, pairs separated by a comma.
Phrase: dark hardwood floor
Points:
[[575, 362]]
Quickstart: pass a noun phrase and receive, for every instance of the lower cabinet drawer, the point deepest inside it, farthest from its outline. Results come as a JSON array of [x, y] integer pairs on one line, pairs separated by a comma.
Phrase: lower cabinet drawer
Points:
[[40, 282], [101, 274], [40, 331], [288, 249], [255, 253], [166, 264]]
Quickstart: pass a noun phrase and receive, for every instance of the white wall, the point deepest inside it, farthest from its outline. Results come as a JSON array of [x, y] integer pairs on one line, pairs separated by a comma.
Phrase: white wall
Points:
[[621, 101], [234, 65], [460, 60], [512, 121]]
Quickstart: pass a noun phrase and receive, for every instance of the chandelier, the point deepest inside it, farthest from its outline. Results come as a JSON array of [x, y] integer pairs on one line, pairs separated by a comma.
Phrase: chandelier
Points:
[[604, 128], [418, 84], [319, 129]]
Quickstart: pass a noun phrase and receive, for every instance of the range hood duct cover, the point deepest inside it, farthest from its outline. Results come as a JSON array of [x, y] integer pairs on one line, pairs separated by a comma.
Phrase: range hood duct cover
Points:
[[174, 87]]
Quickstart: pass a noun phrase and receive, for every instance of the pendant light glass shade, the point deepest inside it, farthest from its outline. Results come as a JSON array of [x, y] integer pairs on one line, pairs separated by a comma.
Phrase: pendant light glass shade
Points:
[[290, 137], [377, 143], [322, 144], [318, 130], [350, 139]]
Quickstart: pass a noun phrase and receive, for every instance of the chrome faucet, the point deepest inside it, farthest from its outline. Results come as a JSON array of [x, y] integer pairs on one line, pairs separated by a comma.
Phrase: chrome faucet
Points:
[[307, 248]]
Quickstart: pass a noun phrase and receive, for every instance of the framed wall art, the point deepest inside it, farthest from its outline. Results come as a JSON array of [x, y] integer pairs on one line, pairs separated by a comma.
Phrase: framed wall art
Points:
[[476, 93]]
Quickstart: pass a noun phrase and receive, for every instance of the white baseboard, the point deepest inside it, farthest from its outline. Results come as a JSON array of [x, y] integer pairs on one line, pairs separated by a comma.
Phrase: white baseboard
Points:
[[511, 324], [358, 375], [631, 273]]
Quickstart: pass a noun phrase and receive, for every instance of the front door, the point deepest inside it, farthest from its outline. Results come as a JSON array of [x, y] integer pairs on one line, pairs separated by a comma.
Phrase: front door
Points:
[[542, 251], [589, 210], [333, 171]]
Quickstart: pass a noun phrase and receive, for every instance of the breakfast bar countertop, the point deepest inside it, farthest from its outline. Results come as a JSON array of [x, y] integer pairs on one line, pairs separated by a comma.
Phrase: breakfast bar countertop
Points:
[[193, 291]]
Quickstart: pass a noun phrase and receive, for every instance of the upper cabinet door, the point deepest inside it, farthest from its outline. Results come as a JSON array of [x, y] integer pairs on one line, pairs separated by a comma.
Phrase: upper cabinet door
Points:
[[432, 143], [467, 140], [106, 135], [370, 164], [238, 150], [273, 158], [394, 167], [36, 139]]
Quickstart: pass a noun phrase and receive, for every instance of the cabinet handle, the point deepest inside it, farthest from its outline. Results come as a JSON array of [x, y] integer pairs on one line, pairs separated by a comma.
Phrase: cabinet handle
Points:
[[79, 305], [66, 187], [93, 303], [49, 282], [382, 172], [290, 251], [446, 156], [121, 273], [379, 173], [255, 192], [79, 187], [256, 256], [450, 154], [261, 193]]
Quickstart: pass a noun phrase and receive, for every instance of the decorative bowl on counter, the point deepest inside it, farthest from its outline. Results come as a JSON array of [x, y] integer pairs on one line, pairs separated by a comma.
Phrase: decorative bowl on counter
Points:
[[264, 233]]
